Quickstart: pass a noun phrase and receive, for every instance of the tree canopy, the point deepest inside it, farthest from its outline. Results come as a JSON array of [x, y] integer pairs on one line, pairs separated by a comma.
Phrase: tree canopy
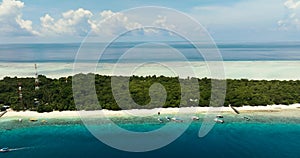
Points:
[[57, 94]]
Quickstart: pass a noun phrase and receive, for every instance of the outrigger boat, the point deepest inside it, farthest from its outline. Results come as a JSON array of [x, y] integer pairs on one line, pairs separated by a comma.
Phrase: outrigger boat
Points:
[[3, 150]]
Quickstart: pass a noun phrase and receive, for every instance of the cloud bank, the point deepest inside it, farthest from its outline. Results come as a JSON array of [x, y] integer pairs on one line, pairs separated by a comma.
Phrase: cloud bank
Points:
[[11, 20], [76, 23], [240, 20]]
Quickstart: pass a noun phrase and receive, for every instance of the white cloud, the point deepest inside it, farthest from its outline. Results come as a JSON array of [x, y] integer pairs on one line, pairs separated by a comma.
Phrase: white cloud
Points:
[[162, 22], [290, 4], [112, 23], [254, 20], [77, 23], [11, 21], [292, 17], [71, 23], [241, 14]]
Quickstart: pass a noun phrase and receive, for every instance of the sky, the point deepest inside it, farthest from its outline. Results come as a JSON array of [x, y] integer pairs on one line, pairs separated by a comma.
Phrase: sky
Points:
[[57, 21]]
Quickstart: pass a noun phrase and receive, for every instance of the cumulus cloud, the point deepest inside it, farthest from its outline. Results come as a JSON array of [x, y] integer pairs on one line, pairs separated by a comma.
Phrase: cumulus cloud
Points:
[[75, 23], [11, 21], [161, 22], [112, 23], [71, 23], [290, 4], [292, 17]]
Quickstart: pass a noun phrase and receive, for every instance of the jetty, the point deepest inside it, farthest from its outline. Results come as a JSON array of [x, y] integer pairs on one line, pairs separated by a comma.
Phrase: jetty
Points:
[[234, 109], [4, 112]]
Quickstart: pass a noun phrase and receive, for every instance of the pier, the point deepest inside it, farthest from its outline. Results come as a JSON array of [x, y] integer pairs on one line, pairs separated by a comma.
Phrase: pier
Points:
[[234, 109], [4, 112]]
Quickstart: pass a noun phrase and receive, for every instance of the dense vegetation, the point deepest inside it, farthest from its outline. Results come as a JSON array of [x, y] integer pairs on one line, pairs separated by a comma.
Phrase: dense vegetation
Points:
[[57, 94]]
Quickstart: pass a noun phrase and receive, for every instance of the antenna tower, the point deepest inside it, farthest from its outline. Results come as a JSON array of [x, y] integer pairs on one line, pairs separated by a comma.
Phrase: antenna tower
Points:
[[36, 78], [20, 93]]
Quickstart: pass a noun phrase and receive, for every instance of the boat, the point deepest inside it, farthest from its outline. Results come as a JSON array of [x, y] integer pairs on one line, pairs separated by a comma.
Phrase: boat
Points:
[[3, 150], [33, 119], [176, 119], [195, 118], [219, 116], [218, 120], [160, 120], [246, 118], [168, 118], [44, 121]]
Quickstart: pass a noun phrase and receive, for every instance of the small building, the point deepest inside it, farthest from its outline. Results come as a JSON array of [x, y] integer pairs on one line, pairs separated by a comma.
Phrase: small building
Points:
[[3, 107]]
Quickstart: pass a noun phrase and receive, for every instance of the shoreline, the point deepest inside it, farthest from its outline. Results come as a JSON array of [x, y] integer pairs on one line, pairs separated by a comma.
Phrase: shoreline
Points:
[[152, 112]]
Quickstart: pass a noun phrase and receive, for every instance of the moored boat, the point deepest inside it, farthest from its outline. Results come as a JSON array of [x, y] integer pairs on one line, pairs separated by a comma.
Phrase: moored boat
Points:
[[33, 119], [218, 120], [195, 118]]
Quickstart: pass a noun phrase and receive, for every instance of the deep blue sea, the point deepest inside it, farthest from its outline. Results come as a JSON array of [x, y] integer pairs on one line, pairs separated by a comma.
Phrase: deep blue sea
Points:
[[235, 138], [67, 52]]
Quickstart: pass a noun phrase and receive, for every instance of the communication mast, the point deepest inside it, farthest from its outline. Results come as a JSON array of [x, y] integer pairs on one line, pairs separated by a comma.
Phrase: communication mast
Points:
[[20, 93], [36, 78]]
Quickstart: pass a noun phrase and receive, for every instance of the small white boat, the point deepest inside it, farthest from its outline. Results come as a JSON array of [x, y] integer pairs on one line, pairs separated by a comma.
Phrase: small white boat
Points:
[[195, 118], [176, 119], [218, 120], [160, 120], [168, 118], [3, 150]]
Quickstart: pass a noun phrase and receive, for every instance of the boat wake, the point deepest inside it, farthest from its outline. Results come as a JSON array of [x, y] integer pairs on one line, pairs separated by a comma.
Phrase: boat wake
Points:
[[17, 149]]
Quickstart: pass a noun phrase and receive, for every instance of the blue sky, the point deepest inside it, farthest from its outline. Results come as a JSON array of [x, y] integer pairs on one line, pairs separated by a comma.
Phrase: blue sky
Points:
[[56, 21]]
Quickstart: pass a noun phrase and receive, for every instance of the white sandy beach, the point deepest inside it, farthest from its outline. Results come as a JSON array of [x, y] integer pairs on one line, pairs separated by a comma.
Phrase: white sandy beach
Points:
[[152, 112]]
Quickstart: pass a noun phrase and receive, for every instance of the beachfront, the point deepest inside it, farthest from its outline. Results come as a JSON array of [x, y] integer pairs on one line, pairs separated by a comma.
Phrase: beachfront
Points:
[[279, 110]]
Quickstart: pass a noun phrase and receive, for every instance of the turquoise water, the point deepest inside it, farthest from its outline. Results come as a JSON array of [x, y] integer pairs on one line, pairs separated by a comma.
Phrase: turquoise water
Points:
[[235, 138], [262, 137]]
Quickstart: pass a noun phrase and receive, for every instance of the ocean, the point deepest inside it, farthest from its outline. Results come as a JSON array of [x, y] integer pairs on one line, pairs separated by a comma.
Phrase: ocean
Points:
[[65, 53], [260, 137], [277, 60]]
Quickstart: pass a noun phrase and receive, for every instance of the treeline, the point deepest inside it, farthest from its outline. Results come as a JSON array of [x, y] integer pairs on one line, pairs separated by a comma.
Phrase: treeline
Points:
[[57, 94]]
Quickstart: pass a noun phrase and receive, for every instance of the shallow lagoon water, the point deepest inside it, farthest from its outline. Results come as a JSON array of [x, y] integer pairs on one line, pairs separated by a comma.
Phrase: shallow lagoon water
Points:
[[262, 136]]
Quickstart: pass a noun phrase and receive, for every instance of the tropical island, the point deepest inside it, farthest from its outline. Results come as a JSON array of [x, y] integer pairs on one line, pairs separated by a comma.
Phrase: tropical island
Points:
[[57, 94]]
